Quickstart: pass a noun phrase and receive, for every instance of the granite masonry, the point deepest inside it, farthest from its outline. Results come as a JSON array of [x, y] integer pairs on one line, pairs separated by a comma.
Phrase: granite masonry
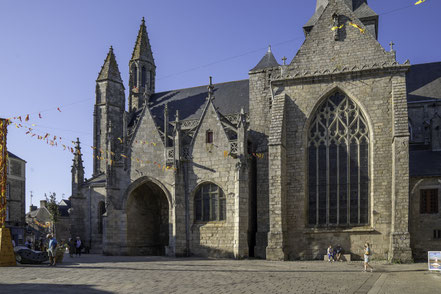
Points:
[[340, 146]]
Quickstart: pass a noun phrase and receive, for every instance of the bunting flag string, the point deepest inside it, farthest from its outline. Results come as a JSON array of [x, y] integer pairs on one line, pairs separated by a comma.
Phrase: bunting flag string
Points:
[[333, 28], [45, 226], [28, 116], [337, 27], [357, 27]]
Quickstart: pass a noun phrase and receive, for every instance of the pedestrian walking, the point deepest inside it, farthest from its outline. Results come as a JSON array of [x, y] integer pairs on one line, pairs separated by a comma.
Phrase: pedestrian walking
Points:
[[78, 247], [52, 250], [367, 254]]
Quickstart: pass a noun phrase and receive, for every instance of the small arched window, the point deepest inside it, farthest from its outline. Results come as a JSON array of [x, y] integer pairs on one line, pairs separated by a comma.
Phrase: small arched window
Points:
[[101, 211], [209, 137], [143, 77], [210, 203]]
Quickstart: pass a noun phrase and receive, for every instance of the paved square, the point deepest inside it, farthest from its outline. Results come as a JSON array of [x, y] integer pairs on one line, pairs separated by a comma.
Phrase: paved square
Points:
[[126, 274]]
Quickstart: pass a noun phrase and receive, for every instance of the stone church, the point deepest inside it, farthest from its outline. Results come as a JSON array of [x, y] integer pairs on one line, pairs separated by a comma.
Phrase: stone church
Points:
[[340, 146]]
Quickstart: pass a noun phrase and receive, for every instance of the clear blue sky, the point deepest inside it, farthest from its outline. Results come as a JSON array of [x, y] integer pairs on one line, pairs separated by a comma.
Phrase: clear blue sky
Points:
[[52, 50]]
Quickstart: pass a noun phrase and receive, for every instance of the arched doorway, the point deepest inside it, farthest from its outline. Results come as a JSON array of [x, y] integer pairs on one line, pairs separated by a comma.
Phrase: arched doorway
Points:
[[147, 220]]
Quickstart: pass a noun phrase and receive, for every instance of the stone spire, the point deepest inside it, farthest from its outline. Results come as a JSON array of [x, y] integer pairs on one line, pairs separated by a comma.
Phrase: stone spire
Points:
[[142, 71], [109, 70], [77, 169], [142, 50]]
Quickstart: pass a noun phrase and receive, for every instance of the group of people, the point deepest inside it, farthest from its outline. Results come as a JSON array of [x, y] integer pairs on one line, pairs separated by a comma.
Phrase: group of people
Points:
[[335, 255], [74, 247]]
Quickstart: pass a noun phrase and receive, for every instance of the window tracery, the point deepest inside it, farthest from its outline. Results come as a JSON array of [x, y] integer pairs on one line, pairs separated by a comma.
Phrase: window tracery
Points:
[[338, 151]]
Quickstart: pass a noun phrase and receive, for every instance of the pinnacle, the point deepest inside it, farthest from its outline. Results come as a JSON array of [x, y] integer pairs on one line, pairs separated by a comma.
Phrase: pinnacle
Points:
[[109, 70], [142, 50]]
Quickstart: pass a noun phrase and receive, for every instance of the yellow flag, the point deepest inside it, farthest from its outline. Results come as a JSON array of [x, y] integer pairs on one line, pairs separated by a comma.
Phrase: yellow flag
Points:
[[337, 27], [358, 27]]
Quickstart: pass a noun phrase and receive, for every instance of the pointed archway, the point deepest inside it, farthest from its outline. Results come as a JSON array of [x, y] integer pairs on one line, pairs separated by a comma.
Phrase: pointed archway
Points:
[[147, 220]]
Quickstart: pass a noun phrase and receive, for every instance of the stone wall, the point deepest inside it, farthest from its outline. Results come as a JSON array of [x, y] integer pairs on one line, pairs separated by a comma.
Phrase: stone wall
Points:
[[209, 164], [421, 226], [372, 93]]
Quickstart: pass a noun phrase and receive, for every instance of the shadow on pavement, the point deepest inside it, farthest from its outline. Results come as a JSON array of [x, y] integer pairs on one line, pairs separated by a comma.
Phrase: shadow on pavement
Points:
[[48, 288]]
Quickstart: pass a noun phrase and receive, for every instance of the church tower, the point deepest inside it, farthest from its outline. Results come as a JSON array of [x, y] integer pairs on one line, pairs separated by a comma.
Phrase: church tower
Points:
[[142, 70], [108, 113]]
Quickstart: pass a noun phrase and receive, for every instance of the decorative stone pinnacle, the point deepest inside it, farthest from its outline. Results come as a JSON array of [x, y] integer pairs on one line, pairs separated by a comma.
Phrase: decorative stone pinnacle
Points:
[[269, 48], [284, 60], [143, 20], [210, 88]]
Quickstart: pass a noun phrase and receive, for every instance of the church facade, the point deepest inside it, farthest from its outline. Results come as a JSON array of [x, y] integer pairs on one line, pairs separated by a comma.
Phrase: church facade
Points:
[[340, 146]]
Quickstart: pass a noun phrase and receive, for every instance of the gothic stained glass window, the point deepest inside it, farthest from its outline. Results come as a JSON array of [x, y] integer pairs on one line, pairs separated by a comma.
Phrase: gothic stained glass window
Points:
[[209, 203], [338, 155]]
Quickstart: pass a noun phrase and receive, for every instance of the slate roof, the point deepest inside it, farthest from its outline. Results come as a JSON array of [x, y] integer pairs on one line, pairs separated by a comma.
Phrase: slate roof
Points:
[[229, 98], [268, 60], [423, 82], [12, 155], [424, 163]]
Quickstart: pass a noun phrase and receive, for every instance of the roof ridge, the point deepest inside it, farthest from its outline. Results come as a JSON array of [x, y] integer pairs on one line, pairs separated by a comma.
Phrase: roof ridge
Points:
[[157, 93]]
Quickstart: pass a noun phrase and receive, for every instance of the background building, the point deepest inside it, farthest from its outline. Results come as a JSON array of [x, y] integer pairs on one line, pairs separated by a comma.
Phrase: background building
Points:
[[15, 195]]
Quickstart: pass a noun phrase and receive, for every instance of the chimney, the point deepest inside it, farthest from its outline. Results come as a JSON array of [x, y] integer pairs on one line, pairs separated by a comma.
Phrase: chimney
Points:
[[32, 208], [43, 203]]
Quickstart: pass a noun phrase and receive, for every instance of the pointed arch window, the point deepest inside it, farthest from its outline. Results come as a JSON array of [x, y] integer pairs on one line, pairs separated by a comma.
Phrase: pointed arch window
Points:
[[209, 203], [143, 77], [135, 76], [338, 153]]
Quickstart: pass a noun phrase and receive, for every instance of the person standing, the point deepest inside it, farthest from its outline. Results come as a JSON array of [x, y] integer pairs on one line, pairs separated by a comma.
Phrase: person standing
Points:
[[52, 250], [78, 247], [367, 255], [71, 246], [330, 254], [338, 251]]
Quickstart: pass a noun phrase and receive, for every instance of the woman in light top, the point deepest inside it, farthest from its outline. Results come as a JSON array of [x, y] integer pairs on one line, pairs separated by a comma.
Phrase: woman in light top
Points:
[[367, 254]]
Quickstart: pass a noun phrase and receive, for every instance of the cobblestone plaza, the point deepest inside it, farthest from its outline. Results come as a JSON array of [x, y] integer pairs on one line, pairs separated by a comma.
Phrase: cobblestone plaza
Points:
[[112, 274]]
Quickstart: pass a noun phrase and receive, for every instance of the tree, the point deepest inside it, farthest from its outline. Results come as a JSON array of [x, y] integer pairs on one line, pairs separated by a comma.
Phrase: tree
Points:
[[52, 207]]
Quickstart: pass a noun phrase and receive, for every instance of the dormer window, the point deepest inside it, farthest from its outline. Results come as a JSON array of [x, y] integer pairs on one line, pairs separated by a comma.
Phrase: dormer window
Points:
[[209, 137]]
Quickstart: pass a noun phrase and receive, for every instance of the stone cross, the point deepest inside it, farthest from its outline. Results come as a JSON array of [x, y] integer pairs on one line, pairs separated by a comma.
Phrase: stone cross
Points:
[[284, 60], [391, 44]]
